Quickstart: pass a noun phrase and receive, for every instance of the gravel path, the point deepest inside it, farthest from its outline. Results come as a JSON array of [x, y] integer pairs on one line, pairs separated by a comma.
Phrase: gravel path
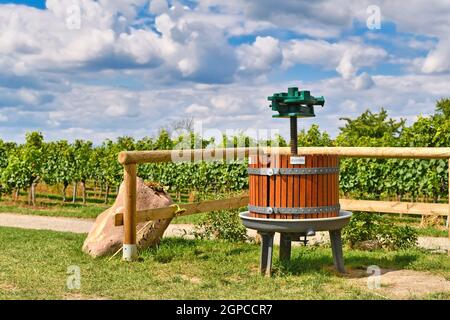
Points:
[[74, 225], [77, 225]]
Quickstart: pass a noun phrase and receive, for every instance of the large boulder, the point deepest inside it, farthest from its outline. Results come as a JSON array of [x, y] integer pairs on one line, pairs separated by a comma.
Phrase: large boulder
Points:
[[105, 238]]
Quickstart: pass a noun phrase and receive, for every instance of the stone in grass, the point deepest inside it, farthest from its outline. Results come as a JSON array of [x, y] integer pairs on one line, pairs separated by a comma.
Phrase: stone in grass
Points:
[[105, 238], [368, 245]]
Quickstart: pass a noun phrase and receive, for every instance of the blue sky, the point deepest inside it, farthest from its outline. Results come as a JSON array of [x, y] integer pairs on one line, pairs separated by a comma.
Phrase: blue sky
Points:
[[40, 4], [101, 69]]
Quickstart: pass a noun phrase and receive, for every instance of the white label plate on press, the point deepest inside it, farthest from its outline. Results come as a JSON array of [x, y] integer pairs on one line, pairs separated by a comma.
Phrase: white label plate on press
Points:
[[297, 160]]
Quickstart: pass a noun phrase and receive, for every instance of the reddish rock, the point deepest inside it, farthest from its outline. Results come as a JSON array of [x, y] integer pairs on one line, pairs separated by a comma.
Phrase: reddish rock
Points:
[[105, 238]]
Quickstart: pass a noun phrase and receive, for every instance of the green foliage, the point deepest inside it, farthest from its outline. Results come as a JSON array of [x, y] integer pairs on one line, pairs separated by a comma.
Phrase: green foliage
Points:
[[375, 178], [443, 107], [370, 130], [379, 232], [83, 168], [223, 225], [5, 150], [214, 176], [59, 165], [61, 162], [314, 138], [25, 163]]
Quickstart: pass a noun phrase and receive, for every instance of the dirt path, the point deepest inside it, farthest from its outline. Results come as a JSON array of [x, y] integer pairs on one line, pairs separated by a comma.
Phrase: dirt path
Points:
[[77, 225], [65, 224], [400, 284], [74, 225]]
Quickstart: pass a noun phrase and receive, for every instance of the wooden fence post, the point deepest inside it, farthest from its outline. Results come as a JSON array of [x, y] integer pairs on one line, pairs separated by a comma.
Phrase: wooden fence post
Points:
[[129, 217], [448, 216]]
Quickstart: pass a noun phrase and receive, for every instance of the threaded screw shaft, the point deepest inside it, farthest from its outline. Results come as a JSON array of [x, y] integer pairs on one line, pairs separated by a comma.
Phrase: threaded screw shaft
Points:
[[294, 138]]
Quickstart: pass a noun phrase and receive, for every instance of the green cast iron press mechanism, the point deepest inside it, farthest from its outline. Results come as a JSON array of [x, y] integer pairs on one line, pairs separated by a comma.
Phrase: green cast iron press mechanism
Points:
[[294, 104]]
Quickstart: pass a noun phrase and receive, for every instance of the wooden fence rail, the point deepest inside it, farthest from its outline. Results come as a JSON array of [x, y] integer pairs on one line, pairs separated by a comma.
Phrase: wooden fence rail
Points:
[[415, 208], [137, 157], [129, 159]]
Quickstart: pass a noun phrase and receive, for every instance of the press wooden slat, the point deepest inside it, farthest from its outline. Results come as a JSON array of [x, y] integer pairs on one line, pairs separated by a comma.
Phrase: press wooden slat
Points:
[[253, 181], [315, 178], [327, 185], [284, 188], [308, 183], [264, 184], [302, 191], [278, 188], [335, 185], [290, 188], [320, 160], [296, 188], [257, 184], [273, 164], [330, 188], [250, 184], [337, 182]]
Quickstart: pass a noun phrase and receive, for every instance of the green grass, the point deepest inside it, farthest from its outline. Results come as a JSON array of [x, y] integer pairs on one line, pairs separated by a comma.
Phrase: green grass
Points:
[[33, 265], [414, 222], [431, 232], [67, 210], [191, 219], [59, 198]]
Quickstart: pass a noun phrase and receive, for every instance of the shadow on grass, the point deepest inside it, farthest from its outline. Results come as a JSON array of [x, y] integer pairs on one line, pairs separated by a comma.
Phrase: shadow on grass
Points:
[[321, 260], [57, 197], [305, 260], [173, 248]]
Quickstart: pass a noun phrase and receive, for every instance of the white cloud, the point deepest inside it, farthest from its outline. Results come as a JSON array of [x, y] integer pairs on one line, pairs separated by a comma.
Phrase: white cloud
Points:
[[226, 104], [123, 74], [346, 57], [320, 19], [116, 110], [196, 109], [363, 81], [158, 6], [438, 59], [37, 40], [261, 56]]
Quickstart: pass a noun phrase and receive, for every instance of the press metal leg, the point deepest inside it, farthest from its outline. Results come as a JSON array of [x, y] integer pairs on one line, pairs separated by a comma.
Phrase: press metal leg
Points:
[[285, 247], [265, 266], [336, 246]]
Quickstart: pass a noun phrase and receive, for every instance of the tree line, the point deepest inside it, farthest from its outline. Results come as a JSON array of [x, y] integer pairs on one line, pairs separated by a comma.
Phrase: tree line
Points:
[[24, 166]]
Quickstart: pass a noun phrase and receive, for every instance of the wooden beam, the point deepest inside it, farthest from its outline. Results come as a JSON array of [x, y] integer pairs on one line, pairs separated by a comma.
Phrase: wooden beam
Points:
[[448, 217], [129, 157], [187, 209], [129, 217], [395, 207], [371, 152]]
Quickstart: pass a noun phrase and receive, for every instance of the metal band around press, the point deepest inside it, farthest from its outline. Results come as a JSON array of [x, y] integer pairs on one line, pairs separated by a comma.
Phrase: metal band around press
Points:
[[291, 171], [303, 210]]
